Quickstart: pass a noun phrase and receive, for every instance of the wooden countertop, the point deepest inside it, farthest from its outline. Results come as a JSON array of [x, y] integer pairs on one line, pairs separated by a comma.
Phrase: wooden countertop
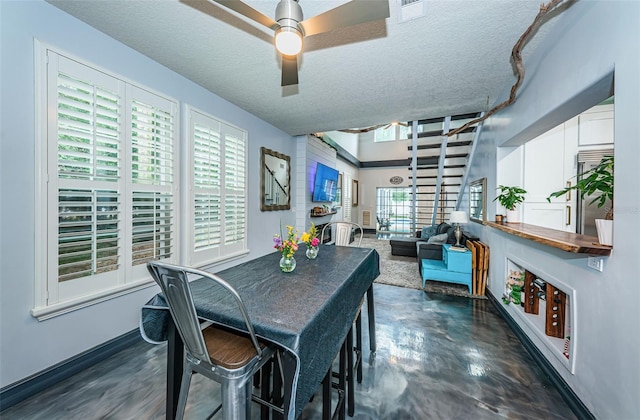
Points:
[[566, 241]]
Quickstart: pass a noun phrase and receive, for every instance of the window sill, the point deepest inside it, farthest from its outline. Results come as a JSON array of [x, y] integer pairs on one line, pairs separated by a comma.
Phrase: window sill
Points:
[[46, 312]]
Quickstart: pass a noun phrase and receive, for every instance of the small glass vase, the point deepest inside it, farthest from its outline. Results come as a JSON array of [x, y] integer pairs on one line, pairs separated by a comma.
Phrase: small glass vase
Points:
[[287, 265], [312, 252]]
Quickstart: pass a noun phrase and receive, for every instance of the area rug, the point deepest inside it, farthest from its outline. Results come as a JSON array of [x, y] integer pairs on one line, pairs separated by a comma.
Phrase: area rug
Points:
[[403, 271], [394, 269]]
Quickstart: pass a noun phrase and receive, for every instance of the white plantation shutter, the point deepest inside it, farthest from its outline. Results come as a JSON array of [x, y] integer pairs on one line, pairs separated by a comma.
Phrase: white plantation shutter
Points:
[[152, 157], [152, 174], [234, 186], [109, 165], [88, 233], [347, 199], [88, 131], [152, 235], [207, 176], [218, 197], [88, 166]]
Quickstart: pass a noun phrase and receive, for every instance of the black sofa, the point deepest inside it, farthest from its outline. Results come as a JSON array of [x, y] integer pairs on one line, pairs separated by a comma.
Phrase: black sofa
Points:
[[408, 246], [419, 248]]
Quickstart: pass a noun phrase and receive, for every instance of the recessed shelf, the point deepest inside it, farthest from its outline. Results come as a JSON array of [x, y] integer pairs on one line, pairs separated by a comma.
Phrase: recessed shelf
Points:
[[560, 317], [322, 214]]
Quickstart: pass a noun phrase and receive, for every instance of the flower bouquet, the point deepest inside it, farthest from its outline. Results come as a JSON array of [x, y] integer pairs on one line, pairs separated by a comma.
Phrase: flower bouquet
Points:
[[310, 238], [287, 248]]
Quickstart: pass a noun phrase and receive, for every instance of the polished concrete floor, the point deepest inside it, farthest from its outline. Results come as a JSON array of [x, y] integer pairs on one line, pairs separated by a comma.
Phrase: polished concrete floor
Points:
[[438, 357]]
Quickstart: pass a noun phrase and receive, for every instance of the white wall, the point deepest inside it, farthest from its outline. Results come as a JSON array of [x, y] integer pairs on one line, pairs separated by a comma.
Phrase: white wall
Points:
[[311, 151], [590, 40], [348, 141], [387, 150], [22, 337], [372, 178]]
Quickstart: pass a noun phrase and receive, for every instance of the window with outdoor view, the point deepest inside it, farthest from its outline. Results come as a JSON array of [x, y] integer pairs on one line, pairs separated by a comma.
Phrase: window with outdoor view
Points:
[[218, 199], [109, 202], [391, 132]]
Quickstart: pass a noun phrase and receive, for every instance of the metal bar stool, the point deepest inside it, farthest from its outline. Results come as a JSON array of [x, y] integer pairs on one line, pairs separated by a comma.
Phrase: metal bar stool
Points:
[[228, 357]]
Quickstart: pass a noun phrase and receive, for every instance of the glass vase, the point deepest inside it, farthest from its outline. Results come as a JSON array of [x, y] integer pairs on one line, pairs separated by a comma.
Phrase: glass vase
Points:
[[312, 252], [287, 265]]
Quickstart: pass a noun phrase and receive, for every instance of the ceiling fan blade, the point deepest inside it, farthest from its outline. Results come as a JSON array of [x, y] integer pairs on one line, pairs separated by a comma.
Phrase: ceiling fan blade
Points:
[[289, 70], [352, 13], [248, 11]]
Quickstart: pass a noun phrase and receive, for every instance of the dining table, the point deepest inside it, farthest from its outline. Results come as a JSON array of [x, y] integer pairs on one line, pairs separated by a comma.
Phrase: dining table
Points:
[[306, 313]]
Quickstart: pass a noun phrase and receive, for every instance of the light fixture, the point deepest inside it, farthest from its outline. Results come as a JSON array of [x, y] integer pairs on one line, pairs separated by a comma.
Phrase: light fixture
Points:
[[288, 40], [289, 34], [458, 217]]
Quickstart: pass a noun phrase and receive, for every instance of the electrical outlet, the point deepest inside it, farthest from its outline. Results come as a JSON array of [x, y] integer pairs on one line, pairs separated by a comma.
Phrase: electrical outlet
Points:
[[597, 263]]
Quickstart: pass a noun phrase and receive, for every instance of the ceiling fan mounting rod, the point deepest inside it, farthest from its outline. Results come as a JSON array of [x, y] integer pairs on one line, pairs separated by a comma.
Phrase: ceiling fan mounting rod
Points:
[[289, 34], [289, 14]]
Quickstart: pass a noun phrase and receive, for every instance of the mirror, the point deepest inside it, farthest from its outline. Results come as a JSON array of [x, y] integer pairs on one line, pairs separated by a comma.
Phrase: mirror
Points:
[[354, 193], [478, 200], [275, 180]]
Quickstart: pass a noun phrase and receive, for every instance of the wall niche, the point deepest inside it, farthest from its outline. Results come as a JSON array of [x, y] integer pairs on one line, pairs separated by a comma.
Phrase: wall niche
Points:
[[546, 305]]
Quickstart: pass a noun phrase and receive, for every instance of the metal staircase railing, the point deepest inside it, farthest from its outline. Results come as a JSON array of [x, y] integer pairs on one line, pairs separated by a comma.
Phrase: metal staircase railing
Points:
[[440, 166]]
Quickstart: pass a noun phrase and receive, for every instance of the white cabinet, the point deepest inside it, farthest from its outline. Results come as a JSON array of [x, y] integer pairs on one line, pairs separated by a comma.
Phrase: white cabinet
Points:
[[596, 126], [549, 161], [544, 164], [550, 164]]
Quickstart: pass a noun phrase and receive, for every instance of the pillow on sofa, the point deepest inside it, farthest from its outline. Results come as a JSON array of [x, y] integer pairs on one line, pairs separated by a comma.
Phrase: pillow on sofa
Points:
[[438, 239], [451, 233], [442, 228], [428, 231]]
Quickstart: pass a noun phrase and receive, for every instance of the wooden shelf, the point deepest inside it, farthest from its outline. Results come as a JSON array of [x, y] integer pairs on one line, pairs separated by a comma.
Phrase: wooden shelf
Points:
[[566, 241], [323, 214]]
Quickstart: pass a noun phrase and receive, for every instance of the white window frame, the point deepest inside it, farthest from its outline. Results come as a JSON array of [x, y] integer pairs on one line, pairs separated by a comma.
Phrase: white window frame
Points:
[[397, 130], [52, 297], [224, 250]]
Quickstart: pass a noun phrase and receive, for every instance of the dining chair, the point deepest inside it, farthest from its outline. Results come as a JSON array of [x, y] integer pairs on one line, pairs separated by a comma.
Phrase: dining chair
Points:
[[230, 358], [342, 237], [342, 234], [383, 223]]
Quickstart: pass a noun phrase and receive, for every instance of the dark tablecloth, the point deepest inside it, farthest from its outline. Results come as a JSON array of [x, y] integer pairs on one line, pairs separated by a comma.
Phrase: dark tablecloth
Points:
[[307, 312]]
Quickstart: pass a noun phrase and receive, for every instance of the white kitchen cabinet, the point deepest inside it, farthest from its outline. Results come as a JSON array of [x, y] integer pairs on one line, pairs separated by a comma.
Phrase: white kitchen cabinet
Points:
[[596, 126]]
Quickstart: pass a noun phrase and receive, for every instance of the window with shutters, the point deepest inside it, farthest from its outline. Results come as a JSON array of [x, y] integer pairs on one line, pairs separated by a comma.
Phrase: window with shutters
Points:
[[107, 202], [217, 203]]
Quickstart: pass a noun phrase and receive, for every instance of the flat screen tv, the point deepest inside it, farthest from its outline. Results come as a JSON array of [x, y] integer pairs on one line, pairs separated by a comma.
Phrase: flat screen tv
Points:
[[326, 184]]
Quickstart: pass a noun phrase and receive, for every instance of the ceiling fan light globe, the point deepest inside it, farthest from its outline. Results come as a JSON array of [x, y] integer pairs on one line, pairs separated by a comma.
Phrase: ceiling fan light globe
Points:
[[288, 41]]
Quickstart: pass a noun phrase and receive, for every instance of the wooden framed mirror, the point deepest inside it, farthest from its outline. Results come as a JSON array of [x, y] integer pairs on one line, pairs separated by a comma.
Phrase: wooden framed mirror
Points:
[[478, 200], [354, 193], [275, 180]]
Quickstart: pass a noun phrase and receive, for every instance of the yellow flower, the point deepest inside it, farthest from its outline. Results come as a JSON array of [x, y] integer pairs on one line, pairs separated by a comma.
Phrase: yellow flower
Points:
[[305, 237]]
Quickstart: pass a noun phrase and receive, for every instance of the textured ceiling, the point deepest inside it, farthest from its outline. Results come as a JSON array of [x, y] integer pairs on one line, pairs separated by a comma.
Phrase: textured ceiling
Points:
[[454, 60]]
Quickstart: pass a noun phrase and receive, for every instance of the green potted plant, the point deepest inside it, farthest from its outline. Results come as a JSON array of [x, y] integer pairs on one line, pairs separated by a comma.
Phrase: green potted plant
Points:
[[599, 181], [509, 198]]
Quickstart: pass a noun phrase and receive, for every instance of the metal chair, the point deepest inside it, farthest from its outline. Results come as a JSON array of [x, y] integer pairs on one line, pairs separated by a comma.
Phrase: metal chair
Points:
[[383, 223], [229, 358], [342, 234]]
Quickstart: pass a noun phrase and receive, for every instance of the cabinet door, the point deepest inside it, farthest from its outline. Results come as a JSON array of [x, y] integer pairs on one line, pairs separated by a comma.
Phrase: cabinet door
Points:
[[596, 126], [550, 215], [544, 165], [548, 164]]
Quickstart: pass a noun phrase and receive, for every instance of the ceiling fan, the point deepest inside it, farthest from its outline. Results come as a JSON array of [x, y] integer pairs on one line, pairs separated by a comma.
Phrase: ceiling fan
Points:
[[290, 28]]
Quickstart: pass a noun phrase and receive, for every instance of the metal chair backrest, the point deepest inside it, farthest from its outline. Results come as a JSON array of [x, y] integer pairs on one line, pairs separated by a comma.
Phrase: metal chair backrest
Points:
[[342, 234], [174, 282], [383, 223]]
